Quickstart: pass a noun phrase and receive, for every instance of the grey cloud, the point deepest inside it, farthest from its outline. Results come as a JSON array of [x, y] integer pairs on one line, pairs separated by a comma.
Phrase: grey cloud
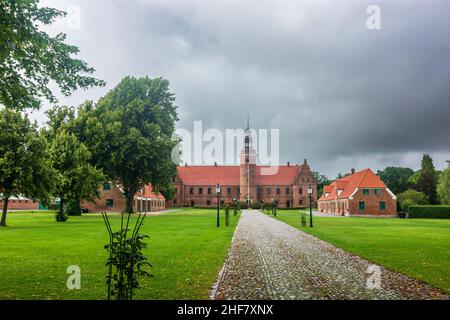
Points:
[[343, 96]]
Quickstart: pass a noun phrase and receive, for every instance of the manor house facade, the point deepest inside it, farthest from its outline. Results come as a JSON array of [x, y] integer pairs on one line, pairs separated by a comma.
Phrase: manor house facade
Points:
[[196, 185]]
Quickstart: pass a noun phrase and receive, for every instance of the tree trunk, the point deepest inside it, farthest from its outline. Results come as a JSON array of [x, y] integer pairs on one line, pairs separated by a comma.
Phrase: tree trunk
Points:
[[61, 205], [130, 203], [129, 194], [4, 211]]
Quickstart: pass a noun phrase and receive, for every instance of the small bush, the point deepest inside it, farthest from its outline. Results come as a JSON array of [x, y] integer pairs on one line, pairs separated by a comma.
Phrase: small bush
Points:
[[303, 219], [61, 217], [256, 205], [411, 197], [73, 208], [243, 205], [431, 212]]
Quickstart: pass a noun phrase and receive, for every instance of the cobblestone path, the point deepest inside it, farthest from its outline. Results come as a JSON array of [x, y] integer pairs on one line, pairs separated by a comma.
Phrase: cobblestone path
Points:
[[269, 259]]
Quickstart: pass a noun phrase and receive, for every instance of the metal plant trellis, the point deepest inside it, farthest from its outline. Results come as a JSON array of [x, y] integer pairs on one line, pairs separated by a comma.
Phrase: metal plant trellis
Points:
[[126, 261]]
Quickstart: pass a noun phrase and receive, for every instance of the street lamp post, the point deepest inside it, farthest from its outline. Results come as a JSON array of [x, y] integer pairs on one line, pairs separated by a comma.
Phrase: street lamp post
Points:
[[310, 190], [218, 188]]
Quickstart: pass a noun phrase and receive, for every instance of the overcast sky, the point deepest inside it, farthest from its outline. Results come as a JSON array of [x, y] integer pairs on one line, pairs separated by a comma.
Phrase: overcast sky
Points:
[[342, 95]]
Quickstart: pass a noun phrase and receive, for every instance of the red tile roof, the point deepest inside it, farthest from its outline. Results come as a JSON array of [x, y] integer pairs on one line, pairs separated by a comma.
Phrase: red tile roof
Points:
[[285, 175], [209, 175], [230, 175], [149, 193], [361, 179]]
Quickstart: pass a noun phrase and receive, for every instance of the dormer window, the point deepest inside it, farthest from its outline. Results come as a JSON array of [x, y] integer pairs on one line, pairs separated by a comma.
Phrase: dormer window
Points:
[[339, 192]]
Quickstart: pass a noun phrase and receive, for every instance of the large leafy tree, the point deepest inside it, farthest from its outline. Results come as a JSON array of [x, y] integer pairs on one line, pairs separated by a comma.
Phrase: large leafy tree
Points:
[[427, 180], [129, 132], [76, 178], [30, 58], [25, 168], [59, 118], [396, 178], [443, 188]]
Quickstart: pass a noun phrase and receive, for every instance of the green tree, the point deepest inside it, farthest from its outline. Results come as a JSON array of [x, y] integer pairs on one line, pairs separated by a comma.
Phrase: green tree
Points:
[[59, 118], [396, 178], [168, 191], [443, 188], [130, 132], [322, 181], [76, 177], [30, 58], [411, 197], [412, 181], [25, 168], [427, 180]]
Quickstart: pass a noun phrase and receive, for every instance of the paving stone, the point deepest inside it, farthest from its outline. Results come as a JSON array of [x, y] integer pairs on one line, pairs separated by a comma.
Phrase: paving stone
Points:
[[269, 259]]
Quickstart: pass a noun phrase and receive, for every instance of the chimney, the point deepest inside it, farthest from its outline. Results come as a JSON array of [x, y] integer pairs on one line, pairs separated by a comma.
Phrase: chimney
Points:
[[288, 164], [185, 164], [352, 171], [215, 164]]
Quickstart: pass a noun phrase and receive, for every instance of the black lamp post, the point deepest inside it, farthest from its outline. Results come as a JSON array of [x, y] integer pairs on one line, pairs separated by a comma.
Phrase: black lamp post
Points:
[[218, 203], [310, 190]]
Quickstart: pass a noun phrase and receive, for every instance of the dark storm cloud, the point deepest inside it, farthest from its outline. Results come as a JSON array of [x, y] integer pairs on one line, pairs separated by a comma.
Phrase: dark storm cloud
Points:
[[342, 95]]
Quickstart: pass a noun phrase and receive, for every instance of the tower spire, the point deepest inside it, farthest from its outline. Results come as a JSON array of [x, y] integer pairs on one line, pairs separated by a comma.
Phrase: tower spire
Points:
[[248, 123]]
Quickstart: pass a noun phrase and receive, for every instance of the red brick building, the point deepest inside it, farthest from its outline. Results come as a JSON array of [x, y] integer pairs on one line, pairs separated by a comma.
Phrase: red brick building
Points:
[[360, 193], [112, 200], [20, 203], [195, 185]]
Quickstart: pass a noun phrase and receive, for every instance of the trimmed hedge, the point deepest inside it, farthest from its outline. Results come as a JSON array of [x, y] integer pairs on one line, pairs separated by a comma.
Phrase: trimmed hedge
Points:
[[432, 212]]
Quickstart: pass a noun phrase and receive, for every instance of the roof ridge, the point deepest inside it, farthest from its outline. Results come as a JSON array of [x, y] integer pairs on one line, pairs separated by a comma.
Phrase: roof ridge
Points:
[[363, 176]]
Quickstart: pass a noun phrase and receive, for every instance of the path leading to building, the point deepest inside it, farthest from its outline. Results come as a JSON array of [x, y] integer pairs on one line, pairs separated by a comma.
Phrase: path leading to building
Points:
[[269, 259]]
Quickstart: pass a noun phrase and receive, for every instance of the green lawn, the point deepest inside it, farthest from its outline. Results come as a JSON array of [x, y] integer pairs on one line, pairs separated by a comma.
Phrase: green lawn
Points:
[[419, 248], [186, 249]]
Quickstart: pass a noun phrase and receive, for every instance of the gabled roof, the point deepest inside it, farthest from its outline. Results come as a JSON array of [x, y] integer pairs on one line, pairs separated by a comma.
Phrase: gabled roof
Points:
[[348, 184], [230, 175]]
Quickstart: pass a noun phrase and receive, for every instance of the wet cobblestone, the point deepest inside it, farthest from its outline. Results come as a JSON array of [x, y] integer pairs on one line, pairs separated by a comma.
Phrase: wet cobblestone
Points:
[[269, 259]]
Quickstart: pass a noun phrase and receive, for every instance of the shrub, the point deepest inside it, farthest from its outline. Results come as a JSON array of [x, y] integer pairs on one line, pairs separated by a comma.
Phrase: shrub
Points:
[[256, 205], [227, 215], [268, 206], [406, 204], [432, 212], [61, 216], [411, 197], [73, 208], [303, 219], [243, 205], [126, 261]]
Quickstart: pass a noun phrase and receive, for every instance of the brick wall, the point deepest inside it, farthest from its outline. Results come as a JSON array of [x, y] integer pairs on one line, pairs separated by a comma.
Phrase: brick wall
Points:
[[119, 202], [21, 204], [372, 203]]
